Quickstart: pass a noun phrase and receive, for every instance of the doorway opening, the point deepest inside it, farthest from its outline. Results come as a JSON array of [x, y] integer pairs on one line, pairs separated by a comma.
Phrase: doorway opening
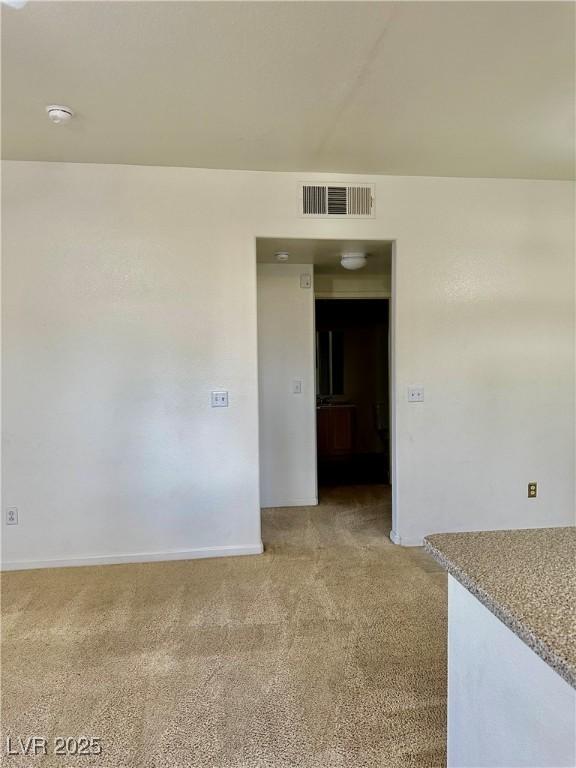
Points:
[[325, 373], [352, 392]]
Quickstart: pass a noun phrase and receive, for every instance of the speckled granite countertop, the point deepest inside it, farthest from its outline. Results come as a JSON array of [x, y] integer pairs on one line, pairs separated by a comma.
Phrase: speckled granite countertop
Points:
[[527, 578]]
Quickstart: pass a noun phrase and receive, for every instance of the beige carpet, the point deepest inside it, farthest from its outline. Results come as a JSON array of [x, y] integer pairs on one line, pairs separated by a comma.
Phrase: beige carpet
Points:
[[328, 651]]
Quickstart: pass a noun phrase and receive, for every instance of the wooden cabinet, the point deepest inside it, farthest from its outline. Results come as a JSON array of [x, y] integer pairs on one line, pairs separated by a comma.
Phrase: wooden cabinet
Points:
[[335, 426]]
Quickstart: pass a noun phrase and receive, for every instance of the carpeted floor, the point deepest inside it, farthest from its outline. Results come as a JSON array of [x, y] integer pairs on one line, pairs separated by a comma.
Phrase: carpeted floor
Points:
[[328, 651]]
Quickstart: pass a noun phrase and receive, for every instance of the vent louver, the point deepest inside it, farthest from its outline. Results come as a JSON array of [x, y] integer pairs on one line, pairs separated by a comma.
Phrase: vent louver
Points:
[[336, 200]]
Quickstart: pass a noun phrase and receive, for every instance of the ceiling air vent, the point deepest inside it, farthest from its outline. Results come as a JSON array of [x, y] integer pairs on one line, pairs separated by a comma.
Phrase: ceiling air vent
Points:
[[336, 200]]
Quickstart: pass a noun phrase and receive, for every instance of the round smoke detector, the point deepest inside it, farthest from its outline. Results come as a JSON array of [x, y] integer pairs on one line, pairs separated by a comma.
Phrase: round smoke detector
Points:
[[282, 256], [59, 114]]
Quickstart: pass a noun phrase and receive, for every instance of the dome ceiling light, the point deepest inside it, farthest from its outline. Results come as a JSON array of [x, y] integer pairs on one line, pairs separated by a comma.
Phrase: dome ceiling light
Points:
[[18, 4], [59, 114], [282, 256], [353, 260]]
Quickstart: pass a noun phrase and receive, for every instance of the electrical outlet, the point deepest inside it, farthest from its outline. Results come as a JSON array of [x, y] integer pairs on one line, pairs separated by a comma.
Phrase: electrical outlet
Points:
[[12, 516], [219, 399], [415, 394], [532, 490]]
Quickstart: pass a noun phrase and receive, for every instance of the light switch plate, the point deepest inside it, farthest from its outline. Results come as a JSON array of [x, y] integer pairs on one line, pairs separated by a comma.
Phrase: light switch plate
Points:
[[297, 386], [306, 280], [416, 394], [219, 399]]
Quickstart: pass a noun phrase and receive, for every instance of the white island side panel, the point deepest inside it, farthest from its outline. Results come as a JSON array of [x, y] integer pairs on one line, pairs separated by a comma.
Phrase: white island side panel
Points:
[[506, 706]]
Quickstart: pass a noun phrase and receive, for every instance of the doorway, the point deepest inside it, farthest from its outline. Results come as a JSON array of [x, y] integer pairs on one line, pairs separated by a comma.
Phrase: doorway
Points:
[[352, 392], [324, 370]]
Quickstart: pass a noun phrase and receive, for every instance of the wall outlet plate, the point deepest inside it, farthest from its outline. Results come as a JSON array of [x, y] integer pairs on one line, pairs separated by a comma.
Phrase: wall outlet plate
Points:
[[416, 394], [532, 490], [12, 516], [219, 399], [297, 386]]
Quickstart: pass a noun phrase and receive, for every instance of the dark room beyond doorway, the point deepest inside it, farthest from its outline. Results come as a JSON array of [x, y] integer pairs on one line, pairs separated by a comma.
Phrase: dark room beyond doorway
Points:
[[352, 391]]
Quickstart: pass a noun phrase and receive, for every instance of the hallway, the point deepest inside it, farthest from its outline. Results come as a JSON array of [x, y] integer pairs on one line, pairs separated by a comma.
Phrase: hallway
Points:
[[328, 651]]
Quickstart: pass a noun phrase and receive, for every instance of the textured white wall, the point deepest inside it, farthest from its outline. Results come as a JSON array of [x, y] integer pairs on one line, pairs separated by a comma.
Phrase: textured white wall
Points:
[[130, 293], [352, 285], [286, 352]]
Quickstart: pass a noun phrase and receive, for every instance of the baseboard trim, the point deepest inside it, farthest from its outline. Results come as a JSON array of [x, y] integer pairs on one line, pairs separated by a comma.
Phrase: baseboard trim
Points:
[[402, 541], [313, 502], [137, 557]]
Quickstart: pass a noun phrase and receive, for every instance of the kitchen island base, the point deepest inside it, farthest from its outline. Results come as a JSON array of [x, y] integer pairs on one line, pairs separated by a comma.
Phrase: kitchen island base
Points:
[[506, 706]]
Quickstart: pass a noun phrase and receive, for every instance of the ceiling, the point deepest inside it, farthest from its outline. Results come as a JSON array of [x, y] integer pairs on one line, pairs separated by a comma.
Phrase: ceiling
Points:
[[410, 88], [325, 254]]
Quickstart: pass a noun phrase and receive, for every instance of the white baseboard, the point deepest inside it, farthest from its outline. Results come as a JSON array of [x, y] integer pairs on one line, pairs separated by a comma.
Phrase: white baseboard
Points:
[[312, 502], [402, 541], [138, 557]]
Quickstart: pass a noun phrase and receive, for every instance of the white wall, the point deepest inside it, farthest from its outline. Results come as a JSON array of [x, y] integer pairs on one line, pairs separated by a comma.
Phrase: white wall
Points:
[[286, 352], [130, 293], [352, 285]]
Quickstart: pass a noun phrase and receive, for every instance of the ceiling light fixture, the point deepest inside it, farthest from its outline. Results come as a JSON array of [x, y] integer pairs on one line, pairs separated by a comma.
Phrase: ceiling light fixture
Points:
[[59, 114], [18, 4], [282, 256], [353, 260]]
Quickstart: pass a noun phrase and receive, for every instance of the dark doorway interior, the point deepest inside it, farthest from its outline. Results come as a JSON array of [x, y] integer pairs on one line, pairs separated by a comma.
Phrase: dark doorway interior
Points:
[[353, 430]]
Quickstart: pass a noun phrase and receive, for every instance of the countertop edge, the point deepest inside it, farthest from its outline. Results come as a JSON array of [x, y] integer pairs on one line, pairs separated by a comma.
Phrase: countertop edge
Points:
[[546, 653]]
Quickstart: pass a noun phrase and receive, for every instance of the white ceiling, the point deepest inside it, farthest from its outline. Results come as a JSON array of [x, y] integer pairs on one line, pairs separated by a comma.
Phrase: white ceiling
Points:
[[415, 88], [325, 254]]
